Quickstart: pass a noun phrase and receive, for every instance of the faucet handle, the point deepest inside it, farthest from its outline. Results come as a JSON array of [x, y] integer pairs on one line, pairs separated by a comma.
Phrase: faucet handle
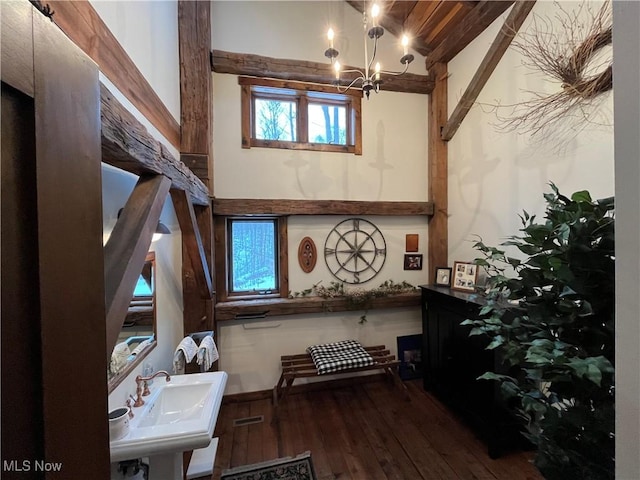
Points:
[[130, 402]]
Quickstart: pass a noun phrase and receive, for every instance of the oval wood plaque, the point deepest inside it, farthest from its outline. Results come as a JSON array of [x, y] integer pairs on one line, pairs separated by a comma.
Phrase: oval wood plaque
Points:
[[307, 254]]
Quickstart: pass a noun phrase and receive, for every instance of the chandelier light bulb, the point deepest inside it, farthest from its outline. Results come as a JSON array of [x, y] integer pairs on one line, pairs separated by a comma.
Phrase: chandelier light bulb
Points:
[[375, 11], [367, 78]]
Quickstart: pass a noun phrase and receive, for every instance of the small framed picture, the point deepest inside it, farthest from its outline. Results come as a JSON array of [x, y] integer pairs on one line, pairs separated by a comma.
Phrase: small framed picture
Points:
[[443, 276], [464, 276], [413, 261], [411, 241]]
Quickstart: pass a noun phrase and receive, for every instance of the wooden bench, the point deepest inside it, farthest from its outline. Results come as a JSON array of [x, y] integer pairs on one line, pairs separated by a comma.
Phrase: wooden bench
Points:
[[302, 366]]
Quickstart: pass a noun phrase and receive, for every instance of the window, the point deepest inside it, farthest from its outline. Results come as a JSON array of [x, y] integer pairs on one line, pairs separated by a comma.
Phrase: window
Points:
[[255, 253], [294, 115]]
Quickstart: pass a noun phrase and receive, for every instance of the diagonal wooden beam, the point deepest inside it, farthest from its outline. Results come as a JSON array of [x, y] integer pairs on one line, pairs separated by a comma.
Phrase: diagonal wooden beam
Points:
[[192, 241], [127, 247], [499, 46]]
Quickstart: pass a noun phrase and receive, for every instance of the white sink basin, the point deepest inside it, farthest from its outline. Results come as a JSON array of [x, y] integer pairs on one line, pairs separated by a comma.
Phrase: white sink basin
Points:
[[179, 415]]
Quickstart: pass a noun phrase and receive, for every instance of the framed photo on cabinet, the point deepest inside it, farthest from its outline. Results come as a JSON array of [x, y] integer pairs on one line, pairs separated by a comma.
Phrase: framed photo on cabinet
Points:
[[443, 277], [464, 276]]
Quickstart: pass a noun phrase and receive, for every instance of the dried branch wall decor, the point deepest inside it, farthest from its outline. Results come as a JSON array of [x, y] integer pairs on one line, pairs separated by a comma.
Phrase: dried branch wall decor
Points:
[[569, 49]]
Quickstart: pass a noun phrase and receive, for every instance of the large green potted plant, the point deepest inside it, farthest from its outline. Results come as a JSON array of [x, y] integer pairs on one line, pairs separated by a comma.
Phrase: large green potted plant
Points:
[[558, 335]]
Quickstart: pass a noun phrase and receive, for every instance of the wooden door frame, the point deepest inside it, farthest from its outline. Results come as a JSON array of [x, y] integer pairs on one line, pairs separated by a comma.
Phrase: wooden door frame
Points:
[[42, 63]]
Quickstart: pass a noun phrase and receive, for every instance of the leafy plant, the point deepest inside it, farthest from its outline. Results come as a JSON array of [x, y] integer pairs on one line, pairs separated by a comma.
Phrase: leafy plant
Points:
[[553, 323]]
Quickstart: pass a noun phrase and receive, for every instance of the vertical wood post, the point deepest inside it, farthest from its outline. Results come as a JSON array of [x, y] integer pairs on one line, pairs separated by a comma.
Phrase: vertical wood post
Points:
[[69, 196], [194, 34], [438, 178]]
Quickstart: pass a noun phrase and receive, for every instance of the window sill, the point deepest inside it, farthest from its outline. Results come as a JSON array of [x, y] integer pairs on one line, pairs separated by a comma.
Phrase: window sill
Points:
[[253, 309], [318, 147]]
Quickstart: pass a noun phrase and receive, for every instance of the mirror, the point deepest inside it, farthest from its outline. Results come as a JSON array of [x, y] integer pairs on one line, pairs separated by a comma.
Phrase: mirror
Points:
[[138, 335]]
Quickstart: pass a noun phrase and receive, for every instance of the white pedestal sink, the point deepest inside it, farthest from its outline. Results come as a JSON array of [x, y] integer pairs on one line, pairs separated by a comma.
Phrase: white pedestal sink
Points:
[[179, 415]]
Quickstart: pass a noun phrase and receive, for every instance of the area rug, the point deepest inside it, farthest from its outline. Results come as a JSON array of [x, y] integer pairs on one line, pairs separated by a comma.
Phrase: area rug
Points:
[[298, 468]]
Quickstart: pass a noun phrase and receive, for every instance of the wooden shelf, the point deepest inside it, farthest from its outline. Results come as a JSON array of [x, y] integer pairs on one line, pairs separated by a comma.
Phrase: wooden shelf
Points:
[[252, 309]]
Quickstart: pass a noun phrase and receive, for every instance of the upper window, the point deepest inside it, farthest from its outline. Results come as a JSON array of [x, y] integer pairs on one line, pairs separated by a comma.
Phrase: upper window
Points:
[[293, 115]]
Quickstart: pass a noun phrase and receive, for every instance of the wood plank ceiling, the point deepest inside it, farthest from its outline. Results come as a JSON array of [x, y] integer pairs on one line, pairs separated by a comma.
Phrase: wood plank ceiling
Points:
[[439, 29]]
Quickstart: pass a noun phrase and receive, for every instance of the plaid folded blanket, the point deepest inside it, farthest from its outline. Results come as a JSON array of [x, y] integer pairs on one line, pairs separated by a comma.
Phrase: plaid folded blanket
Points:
[[343, 355]]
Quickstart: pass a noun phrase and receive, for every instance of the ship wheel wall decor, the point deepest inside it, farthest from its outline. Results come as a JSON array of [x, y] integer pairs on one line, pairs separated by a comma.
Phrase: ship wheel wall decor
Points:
[[355, 251]]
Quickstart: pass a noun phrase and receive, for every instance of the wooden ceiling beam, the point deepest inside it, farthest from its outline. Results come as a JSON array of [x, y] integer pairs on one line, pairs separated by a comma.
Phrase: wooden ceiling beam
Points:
[[127, 144], [426, 15], [474, 23], [127, 247], [304, 71], [192, 241], [436, 33], [243, 206], [499, 46]]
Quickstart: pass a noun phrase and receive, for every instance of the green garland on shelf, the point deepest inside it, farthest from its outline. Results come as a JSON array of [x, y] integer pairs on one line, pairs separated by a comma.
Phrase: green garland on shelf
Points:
[[356, 298]]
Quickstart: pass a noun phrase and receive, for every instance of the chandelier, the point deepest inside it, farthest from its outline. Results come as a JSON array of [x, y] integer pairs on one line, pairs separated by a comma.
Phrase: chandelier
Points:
[[370, 78]]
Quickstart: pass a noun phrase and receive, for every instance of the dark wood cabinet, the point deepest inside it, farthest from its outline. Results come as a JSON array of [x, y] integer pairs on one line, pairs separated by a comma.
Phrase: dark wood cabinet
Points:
[[454, 361]]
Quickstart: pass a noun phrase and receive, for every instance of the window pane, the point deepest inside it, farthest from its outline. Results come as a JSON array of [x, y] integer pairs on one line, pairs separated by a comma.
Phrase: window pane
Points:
[[275, 120], [142, 288], [327, 124], [253, 255]]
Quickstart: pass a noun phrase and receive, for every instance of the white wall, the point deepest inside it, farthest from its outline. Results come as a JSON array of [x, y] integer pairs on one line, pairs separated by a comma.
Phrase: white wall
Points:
[[393, 164], [393, 167], [297, 30], [148, 32], [494, 175]]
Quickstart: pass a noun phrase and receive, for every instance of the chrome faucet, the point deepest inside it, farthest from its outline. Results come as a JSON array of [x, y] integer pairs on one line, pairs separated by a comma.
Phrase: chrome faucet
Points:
[[142, 387]]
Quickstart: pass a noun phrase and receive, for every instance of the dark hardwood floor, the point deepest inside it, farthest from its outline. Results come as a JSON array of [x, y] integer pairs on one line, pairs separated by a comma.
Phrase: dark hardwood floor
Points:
[[365, 431]]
